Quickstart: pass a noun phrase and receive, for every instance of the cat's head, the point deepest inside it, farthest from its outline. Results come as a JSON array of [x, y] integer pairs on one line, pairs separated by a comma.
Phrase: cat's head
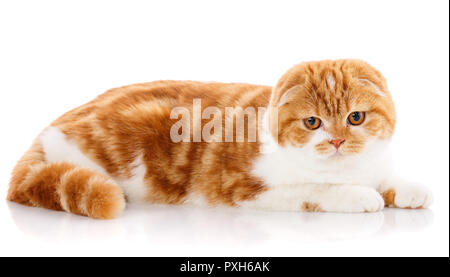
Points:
[[334, 108]]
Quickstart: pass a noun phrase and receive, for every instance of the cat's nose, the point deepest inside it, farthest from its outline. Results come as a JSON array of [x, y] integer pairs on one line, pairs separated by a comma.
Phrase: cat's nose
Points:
[[337, 142]]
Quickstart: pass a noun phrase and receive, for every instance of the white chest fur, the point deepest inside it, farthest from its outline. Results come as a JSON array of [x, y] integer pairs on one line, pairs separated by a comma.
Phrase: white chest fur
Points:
[[295, 166]]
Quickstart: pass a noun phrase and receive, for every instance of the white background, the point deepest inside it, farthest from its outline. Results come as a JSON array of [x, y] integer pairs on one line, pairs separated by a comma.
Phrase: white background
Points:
[[56, 55]]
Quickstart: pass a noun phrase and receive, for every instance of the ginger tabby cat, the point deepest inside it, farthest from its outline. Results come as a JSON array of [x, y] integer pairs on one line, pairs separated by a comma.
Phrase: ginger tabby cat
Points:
[[322, 145]]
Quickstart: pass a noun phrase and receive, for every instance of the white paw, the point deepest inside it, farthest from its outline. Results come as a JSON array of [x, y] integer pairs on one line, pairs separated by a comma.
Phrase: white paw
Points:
[[412, 196], [354, 199]]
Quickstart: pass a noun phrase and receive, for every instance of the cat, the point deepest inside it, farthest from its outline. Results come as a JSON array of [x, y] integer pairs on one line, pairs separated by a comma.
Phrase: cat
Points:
[[322, 146]]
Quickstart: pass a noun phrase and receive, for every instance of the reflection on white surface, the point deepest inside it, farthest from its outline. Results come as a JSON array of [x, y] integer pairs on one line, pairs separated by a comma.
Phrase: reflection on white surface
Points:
[[161, 224]]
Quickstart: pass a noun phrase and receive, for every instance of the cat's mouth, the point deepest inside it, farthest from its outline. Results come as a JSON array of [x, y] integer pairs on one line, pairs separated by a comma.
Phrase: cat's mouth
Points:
[[336, 154]]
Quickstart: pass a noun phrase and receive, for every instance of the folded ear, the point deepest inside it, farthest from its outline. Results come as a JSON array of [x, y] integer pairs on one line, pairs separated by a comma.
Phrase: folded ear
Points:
[[288, 85], [368, 76], [373, 86], [286, 96]]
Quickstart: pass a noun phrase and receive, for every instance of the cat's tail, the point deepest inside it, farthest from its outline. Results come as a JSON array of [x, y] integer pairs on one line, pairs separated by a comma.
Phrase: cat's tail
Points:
[[64, 187]]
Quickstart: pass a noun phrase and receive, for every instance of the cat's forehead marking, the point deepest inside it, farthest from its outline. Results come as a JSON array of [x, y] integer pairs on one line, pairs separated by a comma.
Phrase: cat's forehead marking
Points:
[[331, 81]]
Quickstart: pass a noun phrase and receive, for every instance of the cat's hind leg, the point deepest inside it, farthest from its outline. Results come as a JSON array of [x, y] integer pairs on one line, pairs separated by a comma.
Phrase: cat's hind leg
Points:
[[318, 198], [64, 186]]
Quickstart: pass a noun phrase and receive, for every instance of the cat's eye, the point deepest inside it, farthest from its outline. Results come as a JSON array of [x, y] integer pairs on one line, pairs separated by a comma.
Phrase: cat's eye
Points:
[[312, 122], [356, 118]]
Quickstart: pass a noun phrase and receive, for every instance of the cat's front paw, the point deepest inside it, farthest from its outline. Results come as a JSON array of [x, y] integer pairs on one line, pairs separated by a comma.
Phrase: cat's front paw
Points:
[[410, 196], [353, 199]]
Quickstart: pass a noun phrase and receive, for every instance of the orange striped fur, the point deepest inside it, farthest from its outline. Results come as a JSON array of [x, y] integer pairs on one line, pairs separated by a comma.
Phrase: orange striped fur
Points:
[[115, 126]]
